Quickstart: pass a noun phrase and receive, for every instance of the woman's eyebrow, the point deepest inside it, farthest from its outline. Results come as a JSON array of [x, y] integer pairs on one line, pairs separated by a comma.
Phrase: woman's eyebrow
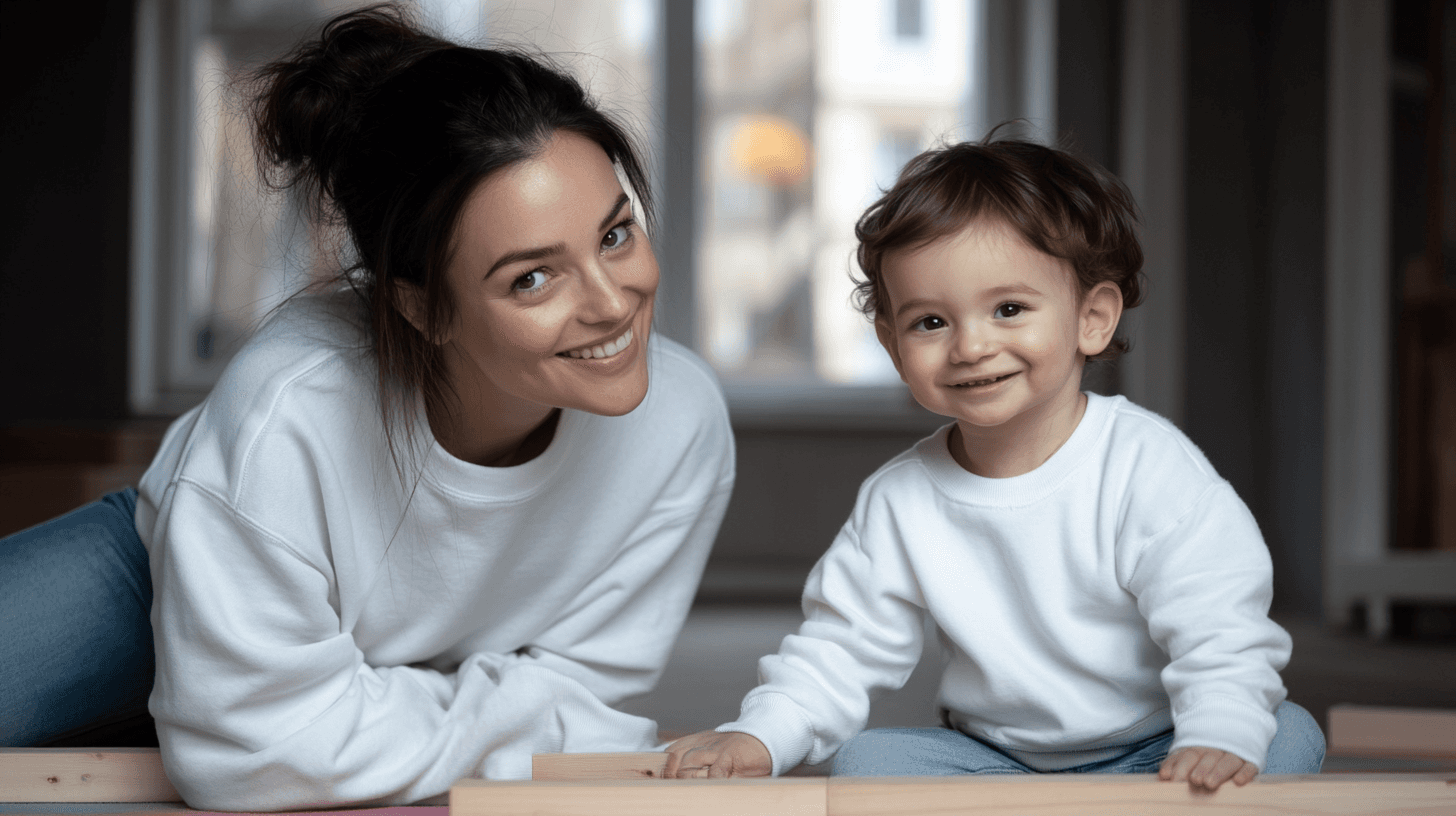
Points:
[[537, 253], [616, 208]]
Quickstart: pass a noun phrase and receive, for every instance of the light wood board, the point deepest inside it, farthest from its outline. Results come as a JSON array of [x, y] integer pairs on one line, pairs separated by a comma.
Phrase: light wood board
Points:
[[650, 797], [1407, 732], [585, 767], [1146, 795], [84, 775]]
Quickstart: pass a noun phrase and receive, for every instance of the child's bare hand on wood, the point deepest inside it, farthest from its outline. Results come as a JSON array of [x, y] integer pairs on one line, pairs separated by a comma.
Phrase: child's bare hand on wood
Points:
[[1206, 768], [717, 755]]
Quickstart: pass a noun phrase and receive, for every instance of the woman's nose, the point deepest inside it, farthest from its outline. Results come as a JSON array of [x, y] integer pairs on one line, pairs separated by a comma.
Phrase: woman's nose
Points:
[[607, 299]]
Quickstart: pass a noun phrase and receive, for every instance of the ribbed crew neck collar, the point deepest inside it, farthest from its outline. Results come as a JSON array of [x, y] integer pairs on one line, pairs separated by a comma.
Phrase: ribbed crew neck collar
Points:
[[1028, 488]]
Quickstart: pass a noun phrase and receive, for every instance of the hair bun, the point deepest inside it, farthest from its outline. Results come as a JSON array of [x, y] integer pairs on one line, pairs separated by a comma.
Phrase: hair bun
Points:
[[308, 105]]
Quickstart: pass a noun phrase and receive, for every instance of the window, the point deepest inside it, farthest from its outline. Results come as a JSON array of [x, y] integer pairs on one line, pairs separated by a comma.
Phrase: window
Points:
[[908, 17], [805, 110], [807, 113]]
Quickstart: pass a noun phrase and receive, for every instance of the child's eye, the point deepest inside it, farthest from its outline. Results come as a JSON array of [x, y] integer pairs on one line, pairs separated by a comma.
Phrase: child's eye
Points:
[[530, 282], [1009, 309], [618, 236], [928, 323]]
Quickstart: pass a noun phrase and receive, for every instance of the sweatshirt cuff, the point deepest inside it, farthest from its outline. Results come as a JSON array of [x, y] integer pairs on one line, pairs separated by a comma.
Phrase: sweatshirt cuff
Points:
[[774, 720], [1228, 724]]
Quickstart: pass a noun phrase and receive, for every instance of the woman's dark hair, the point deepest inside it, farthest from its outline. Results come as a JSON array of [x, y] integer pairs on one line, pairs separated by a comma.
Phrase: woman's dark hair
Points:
[[1061, 205], [386, 130]]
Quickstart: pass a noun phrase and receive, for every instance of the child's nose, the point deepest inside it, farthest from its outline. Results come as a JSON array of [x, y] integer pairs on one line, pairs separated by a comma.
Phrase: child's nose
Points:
[[972, 344]]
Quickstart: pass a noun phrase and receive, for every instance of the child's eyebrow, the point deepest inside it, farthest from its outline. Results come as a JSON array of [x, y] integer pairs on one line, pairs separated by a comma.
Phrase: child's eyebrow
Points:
[[1014, 289], [912, 304]]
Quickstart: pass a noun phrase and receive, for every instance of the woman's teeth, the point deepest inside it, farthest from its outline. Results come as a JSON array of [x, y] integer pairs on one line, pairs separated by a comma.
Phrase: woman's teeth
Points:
[[604, 350]]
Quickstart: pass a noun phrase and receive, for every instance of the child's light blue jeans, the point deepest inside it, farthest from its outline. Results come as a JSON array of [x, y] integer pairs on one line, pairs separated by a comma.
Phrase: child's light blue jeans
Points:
[[75, 625], [1298, 748]]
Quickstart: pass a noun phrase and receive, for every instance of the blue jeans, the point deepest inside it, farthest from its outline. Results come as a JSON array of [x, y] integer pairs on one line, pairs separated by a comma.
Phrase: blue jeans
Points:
[[1298, 748], [75, 625]]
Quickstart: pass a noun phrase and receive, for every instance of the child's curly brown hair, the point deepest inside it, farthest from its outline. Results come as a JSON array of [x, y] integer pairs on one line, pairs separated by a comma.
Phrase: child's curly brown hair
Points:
[[1062, 205]]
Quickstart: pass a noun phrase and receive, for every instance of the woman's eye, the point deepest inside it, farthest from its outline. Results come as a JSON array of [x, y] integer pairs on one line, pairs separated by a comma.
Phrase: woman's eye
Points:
[[617, 236], [529, 282], [1009, 309]]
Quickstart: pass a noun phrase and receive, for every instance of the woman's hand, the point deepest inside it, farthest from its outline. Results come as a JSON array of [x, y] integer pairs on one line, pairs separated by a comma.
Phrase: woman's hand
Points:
[[717, 755], [1206, 768]]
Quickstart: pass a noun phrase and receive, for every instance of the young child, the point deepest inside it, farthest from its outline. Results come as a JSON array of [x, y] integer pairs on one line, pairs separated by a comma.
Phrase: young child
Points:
[[1102, 592]]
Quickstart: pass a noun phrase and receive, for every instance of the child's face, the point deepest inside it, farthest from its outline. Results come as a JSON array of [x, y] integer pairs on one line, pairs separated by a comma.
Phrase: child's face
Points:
[[990, 331]]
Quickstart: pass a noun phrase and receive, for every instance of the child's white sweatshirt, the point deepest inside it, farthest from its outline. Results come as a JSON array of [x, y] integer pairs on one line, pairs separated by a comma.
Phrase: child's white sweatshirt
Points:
[[326, 635], [1118, 590]]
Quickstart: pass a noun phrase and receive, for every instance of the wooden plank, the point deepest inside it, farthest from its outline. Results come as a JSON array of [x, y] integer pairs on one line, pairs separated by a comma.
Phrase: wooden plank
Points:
[[1117, 795], [84, 775], [586, 767], [643, 797], [1406, 732]]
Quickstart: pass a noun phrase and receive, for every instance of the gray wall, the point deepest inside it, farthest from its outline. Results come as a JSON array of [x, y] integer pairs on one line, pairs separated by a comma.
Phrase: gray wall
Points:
[[1255, 258]]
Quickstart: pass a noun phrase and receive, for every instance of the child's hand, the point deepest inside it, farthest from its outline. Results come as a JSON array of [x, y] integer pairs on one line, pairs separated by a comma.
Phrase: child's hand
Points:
[[1206, 768], [717, 755]]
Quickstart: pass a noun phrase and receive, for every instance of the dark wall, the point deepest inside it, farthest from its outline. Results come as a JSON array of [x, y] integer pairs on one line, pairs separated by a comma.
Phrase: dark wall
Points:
[[65, 136], [1255, 258]]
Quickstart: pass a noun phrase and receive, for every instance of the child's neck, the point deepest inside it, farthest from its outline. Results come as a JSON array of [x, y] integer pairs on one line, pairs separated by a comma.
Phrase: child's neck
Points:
[[1019, 445]]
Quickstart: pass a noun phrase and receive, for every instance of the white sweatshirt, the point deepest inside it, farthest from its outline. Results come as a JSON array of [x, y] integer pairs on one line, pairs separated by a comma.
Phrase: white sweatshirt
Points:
[[320, 644], [1118, 590]]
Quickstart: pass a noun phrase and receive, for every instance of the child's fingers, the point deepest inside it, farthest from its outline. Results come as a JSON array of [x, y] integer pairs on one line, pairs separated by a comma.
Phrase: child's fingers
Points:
[[1202, 772], [1246, 774], [1216, 768], [1176, 767], [687, 762]]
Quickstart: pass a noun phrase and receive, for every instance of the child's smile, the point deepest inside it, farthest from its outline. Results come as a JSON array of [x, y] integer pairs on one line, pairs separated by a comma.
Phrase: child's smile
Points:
[[988, 330]]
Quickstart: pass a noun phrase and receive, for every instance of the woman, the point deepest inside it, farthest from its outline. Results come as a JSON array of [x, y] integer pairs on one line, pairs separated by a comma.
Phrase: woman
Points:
[[437, 520]]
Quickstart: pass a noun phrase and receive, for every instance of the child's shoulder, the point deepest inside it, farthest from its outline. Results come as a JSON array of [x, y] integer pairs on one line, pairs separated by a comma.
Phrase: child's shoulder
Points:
[[1141, 439], [908, 473], [1151, 471]]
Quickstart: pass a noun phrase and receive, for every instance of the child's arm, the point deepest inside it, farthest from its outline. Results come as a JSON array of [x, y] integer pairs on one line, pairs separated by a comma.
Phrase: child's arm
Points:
[[863, 631], [1204, 586], [717, 755]]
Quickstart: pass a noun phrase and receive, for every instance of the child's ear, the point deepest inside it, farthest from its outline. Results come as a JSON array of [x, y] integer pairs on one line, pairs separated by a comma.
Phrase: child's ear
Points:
[[886, 334], [410, 302], [1100, 312]]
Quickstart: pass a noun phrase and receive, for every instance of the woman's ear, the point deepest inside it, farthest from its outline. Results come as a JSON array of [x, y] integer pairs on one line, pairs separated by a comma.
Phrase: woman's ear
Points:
[[1100, 312], [409, 299]]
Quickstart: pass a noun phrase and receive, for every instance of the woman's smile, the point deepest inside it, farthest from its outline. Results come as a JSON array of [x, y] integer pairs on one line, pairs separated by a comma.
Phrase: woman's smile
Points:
[[605, 350]]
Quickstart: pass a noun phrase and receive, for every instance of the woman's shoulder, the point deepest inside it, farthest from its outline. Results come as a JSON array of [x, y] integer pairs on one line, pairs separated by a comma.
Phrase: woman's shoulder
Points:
[[683, 383], [304, 377]]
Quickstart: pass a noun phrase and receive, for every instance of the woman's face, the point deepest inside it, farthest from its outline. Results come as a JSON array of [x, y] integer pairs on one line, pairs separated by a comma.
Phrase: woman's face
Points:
[[553, 282]]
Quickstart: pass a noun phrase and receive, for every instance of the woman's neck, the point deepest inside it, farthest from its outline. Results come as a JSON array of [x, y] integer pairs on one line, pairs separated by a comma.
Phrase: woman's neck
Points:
[[484, 426]]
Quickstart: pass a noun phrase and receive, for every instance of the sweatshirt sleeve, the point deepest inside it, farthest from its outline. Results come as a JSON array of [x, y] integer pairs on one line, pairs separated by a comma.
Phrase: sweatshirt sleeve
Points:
[[862, 634], [617, 636], [1205, 585], [264, 702]]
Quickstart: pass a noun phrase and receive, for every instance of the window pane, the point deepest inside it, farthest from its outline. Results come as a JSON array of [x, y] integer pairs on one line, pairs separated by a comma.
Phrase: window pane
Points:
[[809, 108]]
